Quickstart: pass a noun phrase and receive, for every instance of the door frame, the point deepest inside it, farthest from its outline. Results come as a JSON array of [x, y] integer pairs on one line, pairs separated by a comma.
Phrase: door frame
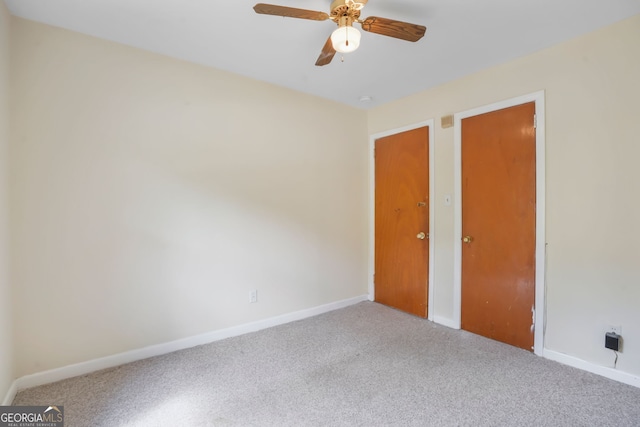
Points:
[[372, 206], [540, 250]]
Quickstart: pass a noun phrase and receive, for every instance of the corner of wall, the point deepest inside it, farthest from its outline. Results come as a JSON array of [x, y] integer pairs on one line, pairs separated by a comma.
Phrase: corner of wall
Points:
[[6, 334]]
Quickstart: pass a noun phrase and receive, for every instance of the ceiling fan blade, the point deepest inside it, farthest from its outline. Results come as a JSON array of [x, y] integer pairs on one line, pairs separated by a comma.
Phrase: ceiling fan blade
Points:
[[391, 28], [327, 53], [290, 12]]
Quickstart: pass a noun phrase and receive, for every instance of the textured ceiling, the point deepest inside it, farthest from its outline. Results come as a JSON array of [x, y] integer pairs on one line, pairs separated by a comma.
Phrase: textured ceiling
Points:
[[463, 36]]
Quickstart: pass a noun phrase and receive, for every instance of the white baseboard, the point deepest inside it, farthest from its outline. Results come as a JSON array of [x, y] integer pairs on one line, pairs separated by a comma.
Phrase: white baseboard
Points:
[[610, 373], [89, 366], [565, 359], [445, 321], [11, 394]]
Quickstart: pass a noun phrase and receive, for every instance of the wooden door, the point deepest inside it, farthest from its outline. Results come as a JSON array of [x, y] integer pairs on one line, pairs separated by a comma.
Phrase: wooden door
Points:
[[401, 214], [498, 224]]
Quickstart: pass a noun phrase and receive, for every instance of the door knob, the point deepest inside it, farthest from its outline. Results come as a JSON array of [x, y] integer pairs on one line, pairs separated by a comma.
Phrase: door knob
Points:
[[467, 239], [422, 236]]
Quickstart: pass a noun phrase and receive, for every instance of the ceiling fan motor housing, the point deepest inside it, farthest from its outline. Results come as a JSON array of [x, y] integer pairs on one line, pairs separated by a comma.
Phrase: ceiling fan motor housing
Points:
[[345, 8], [345, 21]]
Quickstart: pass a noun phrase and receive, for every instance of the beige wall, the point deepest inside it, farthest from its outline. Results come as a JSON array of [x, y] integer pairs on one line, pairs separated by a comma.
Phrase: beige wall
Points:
[[6, 341], [593, 204], [151, 195]]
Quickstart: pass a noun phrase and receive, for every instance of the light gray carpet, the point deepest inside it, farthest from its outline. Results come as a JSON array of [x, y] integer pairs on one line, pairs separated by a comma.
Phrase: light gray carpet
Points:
[[365, 365]]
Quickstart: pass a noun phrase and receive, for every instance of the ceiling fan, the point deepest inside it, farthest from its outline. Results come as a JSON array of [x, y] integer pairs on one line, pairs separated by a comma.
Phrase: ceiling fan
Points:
[[344, 13]]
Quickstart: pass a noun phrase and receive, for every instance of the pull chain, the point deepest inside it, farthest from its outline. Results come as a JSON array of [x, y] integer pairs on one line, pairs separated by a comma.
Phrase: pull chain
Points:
[[346, 33]]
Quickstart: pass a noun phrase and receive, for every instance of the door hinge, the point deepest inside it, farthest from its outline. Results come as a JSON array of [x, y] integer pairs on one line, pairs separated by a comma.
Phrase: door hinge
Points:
[[533, 318], [535, 121]]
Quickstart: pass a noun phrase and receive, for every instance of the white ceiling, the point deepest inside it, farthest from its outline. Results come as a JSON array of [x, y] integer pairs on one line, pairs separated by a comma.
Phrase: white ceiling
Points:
[[463, 36]]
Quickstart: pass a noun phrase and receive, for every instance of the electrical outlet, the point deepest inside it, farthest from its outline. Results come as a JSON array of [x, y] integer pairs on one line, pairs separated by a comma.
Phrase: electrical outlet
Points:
[[612, 341], [253, 296], [614, 328]]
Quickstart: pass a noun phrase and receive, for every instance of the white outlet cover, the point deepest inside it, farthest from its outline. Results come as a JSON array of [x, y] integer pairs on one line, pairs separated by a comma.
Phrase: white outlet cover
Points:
[[614, 328]]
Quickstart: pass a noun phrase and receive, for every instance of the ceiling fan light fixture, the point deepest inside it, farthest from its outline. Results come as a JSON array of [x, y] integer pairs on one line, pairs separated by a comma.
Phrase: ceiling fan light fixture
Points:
[[345, 39]]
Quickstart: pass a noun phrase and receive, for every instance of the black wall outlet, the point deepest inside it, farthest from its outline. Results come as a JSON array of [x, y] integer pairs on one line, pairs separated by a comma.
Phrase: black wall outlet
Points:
[[612, 341]]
